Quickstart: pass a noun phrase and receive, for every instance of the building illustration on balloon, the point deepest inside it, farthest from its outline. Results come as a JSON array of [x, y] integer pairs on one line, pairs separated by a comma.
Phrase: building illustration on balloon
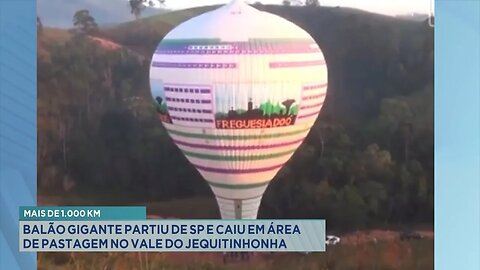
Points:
[[238, 90]]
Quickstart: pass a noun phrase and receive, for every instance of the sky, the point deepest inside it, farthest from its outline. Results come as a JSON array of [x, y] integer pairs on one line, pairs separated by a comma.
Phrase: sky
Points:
[[388, 7], [58, 13]]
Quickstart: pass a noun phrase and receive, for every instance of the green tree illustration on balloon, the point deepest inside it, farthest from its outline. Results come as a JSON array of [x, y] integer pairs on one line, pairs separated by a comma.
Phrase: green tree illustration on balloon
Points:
[[288, 104], [161, 105]]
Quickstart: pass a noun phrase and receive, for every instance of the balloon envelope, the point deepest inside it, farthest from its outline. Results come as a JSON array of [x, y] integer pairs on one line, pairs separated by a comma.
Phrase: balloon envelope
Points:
[[238, 90]]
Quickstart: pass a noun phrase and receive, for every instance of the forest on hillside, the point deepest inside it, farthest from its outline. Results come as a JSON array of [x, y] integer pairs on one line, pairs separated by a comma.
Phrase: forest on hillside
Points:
[[368, 161]]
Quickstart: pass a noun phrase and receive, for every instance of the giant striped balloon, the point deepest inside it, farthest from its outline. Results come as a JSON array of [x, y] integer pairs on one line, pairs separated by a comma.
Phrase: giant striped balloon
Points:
[[238, 90]]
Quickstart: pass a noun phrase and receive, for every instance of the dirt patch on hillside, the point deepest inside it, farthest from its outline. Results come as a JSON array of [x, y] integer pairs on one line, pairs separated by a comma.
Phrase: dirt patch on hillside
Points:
[[106, 44]]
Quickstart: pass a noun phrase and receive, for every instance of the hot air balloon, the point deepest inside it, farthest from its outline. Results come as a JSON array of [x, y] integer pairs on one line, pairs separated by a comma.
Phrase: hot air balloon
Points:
[[238, 90]]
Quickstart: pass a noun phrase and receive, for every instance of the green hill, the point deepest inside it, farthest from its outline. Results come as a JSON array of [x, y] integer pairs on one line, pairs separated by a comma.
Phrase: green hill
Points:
[[368, 55], [143, 35], [55, 35], [50, 37], [368, 160]]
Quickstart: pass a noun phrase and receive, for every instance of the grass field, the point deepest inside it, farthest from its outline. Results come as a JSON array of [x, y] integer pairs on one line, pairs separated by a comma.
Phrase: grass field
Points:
[[383, 255], [357, 251], [191, 208]]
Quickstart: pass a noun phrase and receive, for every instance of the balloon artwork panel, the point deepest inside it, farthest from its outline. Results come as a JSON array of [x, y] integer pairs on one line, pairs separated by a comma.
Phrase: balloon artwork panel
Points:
[[238, 90]]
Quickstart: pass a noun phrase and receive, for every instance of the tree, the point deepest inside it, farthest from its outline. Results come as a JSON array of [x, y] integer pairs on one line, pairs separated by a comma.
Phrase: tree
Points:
[[368, 160], [288, 103], [406, 129], [286, 3], [315, 3], [85, 24], [137, 6], [39, 26]]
